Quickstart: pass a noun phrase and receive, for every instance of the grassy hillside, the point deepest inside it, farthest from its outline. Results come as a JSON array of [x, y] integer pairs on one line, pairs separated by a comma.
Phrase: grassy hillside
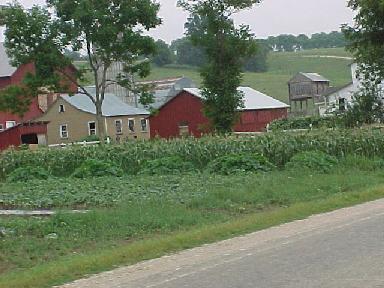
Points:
[[282, 66], [331, 63]]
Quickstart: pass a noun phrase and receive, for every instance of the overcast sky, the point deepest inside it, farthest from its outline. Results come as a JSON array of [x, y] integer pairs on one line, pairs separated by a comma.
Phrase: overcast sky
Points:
[[271, 17]]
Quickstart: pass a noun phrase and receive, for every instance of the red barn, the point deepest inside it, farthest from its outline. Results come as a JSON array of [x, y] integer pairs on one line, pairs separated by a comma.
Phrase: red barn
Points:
[[183, 114], [10, 75]]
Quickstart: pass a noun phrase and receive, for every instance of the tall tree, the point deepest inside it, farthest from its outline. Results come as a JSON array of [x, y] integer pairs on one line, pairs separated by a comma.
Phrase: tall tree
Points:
[[163, 55], [187, 53], [108, 30], [258, 62], [211, 27], [366, 37]]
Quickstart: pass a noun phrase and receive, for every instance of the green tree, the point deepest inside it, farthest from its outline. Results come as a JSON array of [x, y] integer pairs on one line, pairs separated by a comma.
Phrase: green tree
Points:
[[187, 53], [163, 55], [211, 27], [258, 62], [367, 106], [366, 37], [108, 30]]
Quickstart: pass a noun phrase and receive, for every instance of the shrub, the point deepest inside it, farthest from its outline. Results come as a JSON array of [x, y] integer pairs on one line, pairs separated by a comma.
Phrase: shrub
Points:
[[312, 160], [239, 163], [166, 165], [312, 122], [97, 168], [27, 173]]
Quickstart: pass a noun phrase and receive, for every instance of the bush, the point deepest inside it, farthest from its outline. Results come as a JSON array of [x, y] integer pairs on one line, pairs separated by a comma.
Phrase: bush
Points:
[[239, 163], [96, 168], [313, 122], [166, 165], [23, 174], [312, 160]]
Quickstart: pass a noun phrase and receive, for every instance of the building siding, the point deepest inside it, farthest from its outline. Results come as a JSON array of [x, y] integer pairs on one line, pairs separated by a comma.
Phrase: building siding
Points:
[[34, 110], [258, 120], [78, 120], [12, 137], [181, 110], [186, 108]]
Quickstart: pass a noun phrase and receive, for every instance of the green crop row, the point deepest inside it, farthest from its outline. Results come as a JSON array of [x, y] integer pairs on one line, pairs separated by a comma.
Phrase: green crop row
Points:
[[278, 148]]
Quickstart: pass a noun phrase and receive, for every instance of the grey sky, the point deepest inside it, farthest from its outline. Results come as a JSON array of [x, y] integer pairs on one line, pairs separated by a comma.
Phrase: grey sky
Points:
[[271, 17]]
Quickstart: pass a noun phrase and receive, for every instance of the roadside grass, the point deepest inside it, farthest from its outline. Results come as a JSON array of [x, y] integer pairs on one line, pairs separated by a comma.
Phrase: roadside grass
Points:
[[74, 267], [282, 67], [164, 214]]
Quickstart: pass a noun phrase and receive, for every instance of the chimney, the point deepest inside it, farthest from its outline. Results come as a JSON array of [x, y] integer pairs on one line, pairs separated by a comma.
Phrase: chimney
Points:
[[42, 100]]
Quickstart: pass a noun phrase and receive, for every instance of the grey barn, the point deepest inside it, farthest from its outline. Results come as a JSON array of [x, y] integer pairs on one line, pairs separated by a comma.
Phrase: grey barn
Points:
[[307, 86]]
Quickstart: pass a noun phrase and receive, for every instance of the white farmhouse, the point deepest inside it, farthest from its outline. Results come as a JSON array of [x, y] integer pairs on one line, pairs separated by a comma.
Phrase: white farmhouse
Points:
[[340, 98]]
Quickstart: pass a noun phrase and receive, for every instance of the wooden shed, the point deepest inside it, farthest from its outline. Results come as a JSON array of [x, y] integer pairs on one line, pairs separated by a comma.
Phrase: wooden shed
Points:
[[307, 86], [183, 114]]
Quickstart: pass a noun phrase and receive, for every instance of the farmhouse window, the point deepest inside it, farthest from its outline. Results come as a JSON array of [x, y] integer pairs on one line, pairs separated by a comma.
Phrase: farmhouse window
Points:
[[10, 124], [91, 128], [119, 126], [131, 125], [144, 125], [61, 108], [1, 127], [64, 131], [342, 104]]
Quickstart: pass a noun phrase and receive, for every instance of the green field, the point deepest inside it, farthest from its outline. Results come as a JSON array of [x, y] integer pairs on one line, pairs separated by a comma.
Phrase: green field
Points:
[[282, 66]]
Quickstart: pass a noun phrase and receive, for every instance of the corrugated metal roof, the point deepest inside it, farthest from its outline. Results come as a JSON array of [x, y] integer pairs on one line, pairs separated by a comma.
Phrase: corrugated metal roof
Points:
[[253, 99], [112, 105], [6, 69], [315, 77]]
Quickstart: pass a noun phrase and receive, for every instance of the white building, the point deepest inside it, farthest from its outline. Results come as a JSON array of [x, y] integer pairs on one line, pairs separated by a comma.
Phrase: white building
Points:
[[340, 98]]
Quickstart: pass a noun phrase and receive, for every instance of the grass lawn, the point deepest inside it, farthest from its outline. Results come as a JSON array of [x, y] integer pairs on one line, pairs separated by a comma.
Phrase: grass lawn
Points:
[[282, 67], [138, 217]]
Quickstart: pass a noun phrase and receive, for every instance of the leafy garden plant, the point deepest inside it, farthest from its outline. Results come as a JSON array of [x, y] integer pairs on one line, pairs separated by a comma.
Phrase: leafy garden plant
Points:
[[239, 163], [167, 165], [27, 173], [96, 168], [316, 161]]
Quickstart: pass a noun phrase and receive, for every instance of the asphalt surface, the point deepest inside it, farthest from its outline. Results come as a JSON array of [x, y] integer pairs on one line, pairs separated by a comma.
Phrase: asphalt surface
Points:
[[341, 249]]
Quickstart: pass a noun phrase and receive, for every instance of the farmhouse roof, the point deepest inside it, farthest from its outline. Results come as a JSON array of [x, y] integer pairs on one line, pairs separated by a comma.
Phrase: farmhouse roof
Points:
[[6, 69], [332, 90], [253, 99], [315, 77], [112, 105]]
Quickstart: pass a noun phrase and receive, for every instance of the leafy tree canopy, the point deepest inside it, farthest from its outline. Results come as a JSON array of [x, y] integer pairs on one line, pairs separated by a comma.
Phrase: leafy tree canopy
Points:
[[108, 30], [163, 55], [210, 26], [366, 37]]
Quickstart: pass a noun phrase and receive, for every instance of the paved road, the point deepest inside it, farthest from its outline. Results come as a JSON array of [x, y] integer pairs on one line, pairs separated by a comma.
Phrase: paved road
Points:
[[342, 249]]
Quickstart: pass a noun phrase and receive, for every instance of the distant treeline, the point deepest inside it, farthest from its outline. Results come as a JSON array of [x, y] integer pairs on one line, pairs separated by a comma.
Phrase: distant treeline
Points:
[[303, 42], [182, 52]]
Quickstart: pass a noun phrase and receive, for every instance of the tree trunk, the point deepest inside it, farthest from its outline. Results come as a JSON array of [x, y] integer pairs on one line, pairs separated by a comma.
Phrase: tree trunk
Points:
[[100, 124]]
